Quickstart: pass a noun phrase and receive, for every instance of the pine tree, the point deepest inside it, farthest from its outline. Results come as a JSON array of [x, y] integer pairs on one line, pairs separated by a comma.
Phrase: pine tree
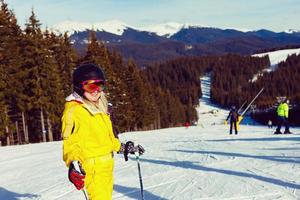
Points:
[[66, 58], [4, 120], [126, 111], [143, 102], [4, 40], [53, 83], [10, 85], [43, 91]]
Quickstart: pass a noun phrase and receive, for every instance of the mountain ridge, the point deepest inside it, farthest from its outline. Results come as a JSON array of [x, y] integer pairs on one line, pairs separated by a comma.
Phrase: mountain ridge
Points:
[[161, 29], [146, 46]]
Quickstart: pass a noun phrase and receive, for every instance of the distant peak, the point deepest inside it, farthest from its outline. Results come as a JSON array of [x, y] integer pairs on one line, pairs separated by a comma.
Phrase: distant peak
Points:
[[163, 29], [292, 31], [168, 29], [113, 26]]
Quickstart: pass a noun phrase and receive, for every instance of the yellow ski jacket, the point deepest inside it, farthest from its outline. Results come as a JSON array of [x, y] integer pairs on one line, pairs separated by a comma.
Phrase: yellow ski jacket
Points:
[[87, 132], [283, 110]]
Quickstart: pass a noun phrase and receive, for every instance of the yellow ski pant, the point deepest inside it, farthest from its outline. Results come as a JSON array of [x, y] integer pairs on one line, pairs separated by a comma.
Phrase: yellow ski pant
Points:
[[240, 118], [99, 177]]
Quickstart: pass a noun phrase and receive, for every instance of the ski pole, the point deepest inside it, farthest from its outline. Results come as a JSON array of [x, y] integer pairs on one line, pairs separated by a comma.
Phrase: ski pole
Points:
[[85, 195], [140, 174]]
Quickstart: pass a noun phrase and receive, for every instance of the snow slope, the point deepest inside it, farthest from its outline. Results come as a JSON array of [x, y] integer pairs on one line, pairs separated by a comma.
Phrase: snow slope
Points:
[[278, 56], [275, 58], [200, 162]]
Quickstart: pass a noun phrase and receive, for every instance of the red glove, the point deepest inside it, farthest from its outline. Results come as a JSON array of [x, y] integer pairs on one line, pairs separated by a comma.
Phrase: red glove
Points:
[[76, 175]]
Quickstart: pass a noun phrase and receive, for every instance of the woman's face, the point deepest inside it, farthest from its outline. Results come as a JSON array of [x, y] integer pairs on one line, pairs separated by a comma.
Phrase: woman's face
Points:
[[92, 96]]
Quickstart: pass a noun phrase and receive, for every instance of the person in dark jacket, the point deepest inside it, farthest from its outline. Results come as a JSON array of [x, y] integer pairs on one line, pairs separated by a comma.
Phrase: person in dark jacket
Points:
[[234, 117]]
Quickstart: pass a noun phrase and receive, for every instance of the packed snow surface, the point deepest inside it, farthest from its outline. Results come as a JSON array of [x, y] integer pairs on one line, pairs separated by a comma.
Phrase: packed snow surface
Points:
[[200, 162]]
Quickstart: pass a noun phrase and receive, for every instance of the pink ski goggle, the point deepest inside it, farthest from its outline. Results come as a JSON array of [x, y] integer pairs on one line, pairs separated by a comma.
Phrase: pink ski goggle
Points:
[[93, 85]]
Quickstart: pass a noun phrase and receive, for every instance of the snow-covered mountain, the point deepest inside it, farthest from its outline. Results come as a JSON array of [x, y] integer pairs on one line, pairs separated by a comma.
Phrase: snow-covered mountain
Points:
[[170, 40], [117, 27], [166, 29], [292, 31], [114, 26]]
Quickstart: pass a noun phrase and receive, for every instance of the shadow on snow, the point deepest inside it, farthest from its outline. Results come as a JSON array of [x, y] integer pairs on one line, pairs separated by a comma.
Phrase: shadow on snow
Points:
[[135, 193], [270, 139], [288, 159], [191, 165], [9, 195]]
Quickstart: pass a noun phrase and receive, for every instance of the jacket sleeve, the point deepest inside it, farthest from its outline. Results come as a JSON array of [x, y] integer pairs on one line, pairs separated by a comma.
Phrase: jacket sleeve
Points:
[[71, 141], [286, 110], [116, 142], [117, 145]]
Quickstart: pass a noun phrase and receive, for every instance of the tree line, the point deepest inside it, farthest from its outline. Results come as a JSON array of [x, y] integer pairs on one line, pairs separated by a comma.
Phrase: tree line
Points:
[[231, 77], [235, 81]]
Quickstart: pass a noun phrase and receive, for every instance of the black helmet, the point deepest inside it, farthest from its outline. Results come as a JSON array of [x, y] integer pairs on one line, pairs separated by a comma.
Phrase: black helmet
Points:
[[86, 72]]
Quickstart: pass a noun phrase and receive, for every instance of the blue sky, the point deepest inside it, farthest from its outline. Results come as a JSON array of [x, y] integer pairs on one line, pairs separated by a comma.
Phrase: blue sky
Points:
[[276, 15]]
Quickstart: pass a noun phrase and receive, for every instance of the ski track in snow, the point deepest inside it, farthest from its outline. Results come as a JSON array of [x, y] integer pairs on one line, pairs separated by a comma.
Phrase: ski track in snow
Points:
[[202, 162]]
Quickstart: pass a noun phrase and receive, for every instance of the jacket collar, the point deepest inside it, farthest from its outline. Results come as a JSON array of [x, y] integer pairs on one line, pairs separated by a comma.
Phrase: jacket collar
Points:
[[101, 107]]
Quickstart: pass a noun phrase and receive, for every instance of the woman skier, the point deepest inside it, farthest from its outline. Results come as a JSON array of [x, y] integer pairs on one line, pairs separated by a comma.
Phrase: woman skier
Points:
[[88, 138]]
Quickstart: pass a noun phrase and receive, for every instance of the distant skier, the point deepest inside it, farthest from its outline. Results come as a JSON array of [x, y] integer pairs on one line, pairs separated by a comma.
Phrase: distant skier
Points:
[[187, 124], [234, 117], [270, 125], [282, 117]]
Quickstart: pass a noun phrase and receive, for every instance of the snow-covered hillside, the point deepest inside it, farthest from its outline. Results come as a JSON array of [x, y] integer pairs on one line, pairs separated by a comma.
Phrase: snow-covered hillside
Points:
[[209, 114], [200, 162], [278, 56], [275, 58]]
